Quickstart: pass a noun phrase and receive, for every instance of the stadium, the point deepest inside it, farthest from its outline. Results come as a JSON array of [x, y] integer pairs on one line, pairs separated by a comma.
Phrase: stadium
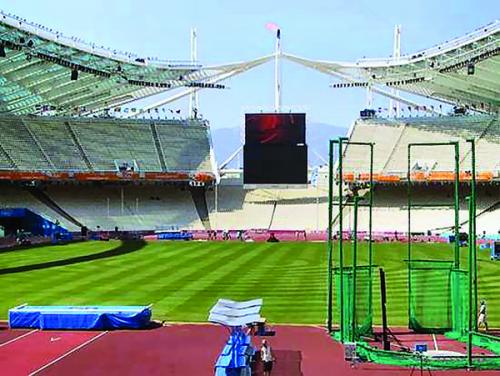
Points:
[[127, 248]]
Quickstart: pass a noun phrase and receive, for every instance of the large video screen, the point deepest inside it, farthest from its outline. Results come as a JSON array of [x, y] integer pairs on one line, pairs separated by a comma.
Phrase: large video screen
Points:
[[275, 164], [270, 128]]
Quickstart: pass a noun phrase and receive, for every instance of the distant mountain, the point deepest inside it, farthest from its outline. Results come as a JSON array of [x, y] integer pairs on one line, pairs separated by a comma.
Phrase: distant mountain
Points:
[[227, 140]]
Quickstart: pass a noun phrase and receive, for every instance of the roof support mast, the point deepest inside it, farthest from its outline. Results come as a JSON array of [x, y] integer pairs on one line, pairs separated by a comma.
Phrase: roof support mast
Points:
[[193, 99], [394, 105], [277, 72]]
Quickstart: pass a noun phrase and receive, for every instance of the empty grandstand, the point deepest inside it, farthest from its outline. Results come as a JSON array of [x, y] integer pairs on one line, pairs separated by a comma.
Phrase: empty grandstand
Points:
[[93, 145], [392, 136]]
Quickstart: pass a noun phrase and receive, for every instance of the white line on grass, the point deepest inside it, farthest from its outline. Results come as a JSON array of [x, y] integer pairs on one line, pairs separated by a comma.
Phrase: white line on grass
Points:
[[68, 353], [21, 336]]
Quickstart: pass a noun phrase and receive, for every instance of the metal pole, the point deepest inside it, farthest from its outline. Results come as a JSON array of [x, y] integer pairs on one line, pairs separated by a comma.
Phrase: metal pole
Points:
[[317, 206], [216, 198], [470, 206], [457, 207], [408, 236], [383, 301], [474, 228], [354, 269], [277, 73], [193, 98], [370, 242], [396, 50], [330, 245], [341, 240]]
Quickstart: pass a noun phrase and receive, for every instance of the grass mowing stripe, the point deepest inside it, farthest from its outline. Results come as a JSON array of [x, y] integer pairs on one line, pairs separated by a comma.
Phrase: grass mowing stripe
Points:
[[215, 271], [276, 310], [141, 283], [172, 273], [222, 286], [115, 276], [291, 283]]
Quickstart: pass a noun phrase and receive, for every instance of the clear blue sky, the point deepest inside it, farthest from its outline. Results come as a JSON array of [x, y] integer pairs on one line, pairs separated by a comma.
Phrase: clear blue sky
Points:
[[232, 30]]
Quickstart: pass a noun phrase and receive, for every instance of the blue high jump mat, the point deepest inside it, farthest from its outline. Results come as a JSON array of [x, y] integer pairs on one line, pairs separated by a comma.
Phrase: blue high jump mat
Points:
[[80, 317]]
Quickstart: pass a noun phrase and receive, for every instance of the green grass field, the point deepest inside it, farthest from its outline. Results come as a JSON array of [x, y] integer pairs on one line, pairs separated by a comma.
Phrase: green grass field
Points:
[[184, 279]]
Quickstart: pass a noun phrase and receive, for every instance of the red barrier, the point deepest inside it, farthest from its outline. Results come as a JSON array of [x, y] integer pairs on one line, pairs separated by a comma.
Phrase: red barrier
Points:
[[103, 176]]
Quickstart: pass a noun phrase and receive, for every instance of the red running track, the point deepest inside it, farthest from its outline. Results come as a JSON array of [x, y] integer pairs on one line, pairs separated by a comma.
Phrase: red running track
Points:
[[182, 350], [7, 335], [29, 353]]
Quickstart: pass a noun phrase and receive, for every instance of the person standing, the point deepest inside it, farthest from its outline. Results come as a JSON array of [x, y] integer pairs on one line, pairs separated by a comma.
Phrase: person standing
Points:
[[483, 318], [266, 355]]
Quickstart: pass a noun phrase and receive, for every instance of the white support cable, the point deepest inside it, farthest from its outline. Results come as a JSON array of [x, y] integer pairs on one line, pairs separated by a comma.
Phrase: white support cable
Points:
[[224, 73], [348, 78], [231, 157], [318, 155]]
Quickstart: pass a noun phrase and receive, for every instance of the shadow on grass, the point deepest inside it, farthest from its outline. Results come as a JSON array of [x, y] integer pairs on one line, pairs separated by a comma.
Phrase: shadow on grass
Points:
[[16, 248], [124, 248]]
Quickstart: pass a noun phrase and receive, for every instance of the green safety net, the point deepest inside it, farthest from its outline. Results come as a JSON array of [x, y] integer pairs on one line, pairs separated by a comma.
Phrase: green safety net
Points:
[[360, 324], [459, 303], [438, 303], [487, 341], [437, 297]]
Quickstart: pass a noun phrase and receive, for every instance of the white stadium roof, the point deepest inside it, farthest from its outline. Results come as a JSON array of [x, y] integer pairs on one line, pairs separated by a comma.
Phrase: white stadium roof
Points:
[[37, 63], [464, 71]]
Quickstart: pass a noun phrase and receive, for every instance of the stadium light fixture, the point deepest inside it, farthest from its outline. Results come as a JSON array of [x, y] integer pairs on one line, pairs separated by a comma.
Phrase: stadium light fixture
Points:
[[470, 69]]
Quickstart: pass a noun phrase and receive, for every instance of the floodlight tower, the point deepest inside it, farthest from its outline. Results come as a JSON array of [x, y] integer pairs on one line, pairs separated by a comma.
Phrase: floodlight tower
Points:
[[193, 98]]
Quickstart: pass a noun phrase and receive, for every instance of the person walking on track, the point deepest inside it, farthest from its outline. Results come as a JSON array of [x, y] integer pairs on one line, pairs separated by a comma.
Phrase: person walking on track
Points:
[[267, 357]]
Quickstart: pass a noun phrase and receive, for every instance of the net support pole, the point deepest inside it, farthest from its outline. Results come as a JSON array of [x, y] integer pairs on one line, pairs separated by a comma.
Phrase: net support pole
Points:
[[370, 240], [341, 238], [408, 235], [330, 245], [354, 268], [383, 301], [471, 245], [474, 228], [457, 206]]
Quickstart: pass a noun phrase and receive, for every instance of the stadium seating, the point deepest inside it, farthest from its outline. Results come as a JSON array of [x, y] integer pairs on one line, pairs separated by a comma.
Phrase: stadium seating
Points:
[[144, 207], [392, 136], [96, 144], [19, 144], [15, 197], [275, 209]]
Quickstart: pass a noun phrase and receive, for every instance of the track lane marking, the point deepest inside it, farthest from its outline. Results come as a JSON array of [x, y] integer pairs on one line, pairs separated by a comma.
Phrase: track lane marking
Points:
[[435, 342], [21, 336], [89, 341]]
